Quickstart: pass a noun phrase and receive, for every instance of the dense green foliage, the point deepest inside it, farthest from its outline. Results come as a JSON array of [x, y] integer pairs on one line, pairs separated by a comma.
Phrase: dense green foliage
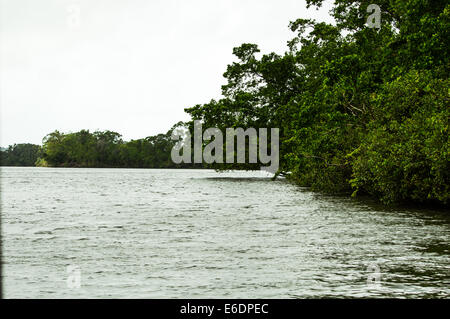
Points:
[[95, 149], [106, 149], [360, 110], [20, 155]]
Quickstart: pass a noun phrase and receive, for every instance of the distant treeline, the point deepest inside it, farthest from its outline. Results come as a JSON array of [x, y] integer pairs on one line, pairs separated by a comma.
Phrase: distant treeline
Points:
[[20, 155], [94, 149]]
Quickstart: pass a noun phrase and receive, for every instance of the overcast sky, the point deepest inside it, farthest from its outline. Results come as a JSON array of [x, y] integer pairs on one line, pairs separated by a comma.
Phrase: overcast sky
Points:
[[130, 66]]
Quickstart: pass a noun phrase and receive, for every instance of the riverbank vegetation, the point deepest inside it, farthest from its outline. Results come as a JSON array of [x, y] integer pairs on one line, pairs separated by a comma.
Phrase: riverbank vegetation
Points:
[[360, 110], [97, 149], [105, 149], [20, 155]]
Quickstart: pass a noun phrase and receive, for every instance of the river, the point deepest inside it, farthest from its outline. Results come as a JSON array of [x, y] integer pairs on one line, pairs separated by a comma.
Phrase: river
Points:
[[141, 233]]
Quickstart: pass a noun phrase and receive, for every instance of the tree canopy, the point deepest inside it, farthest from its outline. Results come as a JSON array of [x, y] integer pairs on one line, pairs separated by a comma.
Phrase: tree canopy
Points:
[[20, 155], [360, 110], [107, 149]]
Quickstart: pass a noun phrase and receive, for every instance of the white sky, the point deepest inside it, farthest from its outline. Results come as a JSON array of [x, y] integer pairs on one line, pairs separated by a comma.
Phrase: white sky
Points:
[[130, 66]]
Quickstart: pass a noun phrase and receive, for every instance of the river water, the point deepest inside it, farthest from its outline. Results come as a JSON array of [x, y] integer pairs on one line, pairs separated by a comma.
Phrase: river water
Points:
[[130, 233]]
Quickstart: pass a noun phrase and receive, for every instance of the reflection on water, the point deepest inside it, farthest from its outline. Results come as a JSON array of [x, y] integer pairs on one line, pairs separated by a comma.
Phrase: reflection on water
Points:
[[197, 233]]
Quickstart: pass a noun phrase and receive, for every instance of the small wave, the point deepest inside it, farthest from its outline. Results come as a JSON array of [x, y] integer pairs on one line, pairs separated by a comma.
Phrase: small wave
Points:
[[43, 232], [43, 238], [59, 228]]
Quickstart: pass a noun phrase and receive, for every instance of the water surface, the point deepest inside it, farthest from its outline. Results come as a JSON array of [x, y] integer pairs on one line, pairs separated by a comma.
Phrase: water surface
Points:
[[135, 233]]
